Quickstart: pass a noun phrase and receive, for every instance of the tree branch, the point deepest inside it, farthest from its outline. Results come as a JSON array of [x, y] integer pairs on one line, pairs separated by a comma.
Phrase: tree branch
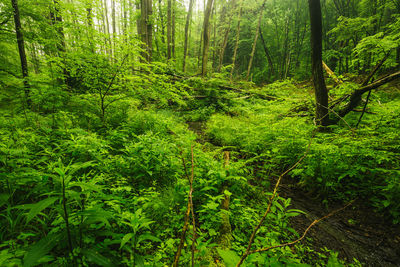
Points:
[[355, 97]]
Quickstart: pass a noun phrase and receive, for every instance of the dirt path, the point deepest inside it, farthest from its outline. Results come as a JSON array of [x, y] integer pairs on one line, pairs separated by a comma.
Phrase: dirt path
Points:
[[357, 232]]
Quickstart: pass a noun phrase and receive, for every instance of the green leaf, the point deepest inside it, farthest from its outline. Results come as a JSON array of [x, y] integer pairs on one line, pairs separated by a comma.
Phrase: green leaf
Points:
[[148, 236], [229, 257], [38, 207], [139, 260], [125, 239], [40, 249], [98, 259], [3, 199]]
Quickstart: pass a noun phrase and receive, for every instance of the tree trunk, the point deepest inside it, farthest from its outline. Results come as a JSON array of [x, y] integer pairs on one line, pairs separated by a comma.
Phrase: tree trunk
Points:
[[146, 29], [107, 28], [89, 18], [187, 25], [21, 50], [321, 93], [237, 40], [173, 28], [267, 54], [162, 22], [114, 26], [226, 35], [169, 29], [206, 37], [253, 50]]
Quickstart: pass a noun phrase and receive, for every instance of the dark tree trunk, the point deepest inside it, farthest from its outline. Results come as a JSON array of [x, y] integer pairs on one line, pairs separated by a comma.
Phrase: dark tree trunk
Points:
[[21, 50], [187, 25], [146, 29], [267, 54], [321, 93], [206, 37]]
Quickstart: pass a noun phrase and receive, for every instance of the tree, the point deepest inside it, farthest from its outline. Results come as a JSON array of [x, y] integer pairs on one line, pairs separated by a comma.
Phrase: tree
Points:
[[187, 25], [21, 50], [206, 37], [146, 28], [237, 39], [253, 50], [321, 93]]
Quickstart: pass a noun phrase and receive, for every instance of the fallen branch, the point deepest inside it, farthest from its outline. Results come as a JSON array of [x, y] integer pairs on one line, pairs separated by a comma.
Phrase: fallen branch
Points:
[[253, 235], [305, 232], [355, 97], [331, 73], [377, 67]]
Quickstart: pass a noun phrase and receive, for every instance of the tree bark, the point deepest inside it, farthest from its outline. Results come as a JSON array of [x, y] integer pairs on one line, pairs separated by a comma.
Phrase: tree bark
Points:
[[321, 93], [355, 97], [114, 26], [169, 29], [107, 28], [21, 50], [187, 25], [226, 35], [146, 29], [253, 50], [267, 54], [206, 37], [173, 28], [237, 40]]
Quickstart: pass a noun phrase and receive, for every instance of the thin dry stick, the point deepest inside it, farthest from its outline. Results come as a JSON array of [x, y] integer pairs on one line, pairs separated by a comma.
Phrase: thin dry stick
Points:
[[253, 235], [305, 232], [340, 118], [187, 214], [192, 211]]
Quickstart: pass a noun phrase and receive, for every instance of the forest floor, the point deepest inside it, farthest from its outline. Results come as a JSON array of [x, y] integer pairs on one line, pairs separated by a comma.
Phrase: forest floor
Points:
[[357, 232]]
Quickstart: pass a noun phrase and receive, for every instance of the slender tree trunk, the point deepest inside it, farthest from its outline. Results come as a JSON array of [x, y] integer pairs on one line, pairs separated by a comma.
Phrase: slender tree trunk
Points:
[[21, 50], [89, 18], [237, 40], [214, 20], [161, 15], [107, 28], [114, 25], [206, 37], [187, 25], [267, 54], [226, 35], [284, 58], [146, 29], [173, 28], [321, 93], [169, 29], [253, 50]]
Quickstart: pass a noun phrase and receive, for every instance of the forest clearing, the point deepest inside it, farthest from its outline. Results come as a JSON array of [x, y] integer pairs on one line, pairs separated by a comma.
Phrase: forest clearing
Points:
[[218, 133]]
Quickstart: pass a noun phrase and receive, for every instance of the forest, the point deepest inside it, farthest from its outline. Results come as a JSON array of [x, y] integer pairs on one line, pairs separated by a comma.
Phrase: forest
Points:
[[200, 133]]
